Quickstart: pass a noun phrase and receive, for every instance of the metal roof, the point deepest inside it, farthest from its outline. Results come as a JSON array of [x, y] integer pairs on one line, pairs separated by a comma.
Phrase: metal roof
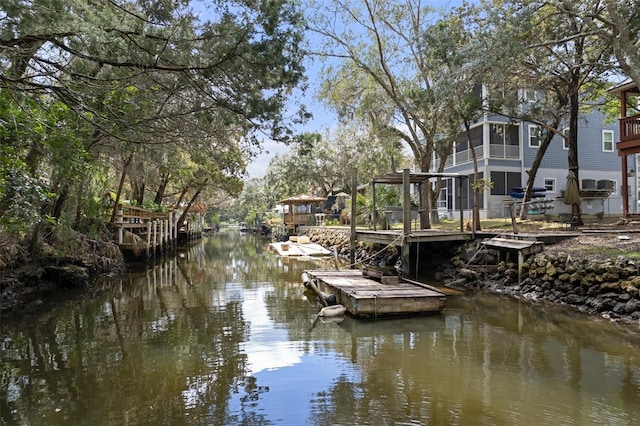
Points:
[[628, 86], [415, 177], [302, 199]]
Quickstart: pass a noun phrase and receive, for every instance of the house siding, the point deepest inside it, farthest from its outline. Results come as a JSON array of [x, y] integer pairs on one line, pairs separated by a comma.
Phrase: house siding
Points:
[[595, 165]]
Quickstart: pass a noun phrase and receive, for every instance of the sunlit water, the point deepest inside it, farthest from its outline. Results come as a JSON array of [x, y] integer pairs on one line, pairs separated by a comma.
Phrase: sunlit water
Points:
[[224, 335]]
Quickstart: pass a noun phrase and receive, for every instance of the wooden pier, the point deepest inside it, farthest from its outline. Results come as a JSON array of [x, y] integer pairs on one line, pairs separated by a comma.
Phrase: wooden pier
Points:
[[398, 237], [142, 231], [367, 297]]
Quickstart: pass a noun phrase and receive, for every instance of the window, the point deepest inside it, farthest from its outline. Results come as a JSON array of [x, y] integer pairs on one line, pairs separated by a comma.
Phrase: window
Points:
[[607, 140], [565, 140], [529, 95], [467, 194], [550, 184], [504, 182], [534, 136]]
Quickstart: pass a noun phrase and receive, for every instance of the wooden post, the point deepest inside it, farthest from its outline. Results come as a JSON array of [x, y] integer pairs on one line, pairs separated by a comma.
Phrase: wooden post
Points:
[[148, 238], [406, 202], [520, 262], [512, 211], [460, 202], [352, 239], [171, 230], [625, 187], [374, 214], [406, 259], [120, 228], [155, 235]]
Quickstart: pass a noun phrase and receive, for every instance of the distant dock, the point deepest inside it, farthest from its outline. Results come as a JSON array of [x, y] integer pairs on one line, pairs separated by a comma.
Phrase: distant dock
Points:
[[298, 246]]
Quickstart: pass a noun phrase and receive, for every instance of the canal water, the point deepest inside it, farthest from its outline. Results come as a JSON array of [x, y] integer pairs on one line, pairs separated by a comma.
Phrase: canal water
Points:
[[223, 334]]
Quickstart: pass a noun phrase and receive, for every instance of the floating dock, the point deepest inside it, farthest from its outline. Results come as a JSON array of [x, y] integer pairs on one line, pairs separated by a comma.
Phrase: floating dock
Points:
[[292, 248], [367, 297]]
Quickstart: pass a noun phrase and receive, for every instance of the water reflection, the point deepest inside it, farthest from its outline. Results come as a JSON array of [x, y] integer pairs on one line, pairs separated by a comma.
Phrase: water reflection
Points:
[[221, 334]]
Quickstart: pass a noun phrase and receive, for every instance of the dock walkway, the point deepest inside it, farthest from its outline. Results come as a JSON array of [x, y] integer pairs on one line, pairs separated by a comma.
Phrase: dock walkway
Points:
[[291, 248], [365, 297]]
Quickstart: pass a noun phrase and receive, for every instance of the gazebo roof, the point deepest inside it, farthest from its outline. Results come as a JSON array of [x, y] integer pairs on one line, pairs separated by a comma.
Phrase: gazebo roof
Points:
[[302, 199]]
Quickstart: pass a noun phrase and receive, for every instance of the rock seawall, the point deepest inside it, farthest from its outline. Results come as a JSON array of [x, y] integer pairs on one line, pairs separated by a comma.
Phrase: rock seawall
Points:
[[338, 240], [603, 287]]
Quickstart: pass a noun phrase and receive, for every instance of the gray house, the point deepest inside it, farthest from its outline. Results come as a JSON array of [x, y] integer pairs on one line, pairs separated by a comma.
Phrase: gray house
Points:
[[505, 152]]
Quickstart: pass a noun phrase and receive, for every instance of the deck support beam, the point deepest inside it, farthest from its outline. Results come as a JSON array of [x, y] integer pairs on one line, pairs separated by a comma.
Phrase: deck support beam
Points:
[[406, 219]]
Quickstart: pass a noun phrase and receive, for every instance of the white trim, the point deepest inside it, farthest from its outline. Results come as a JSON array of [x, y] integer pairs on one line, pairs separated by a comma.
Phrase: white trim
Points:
[[529, 95], [607, 132], [565, 141], [539, 130], [553, 184]]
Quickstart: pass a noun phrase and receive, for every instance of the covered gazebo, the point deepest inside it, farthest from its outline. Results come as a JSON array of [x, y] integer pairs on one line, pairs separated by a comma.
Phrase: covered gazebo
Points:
[[301, 210]]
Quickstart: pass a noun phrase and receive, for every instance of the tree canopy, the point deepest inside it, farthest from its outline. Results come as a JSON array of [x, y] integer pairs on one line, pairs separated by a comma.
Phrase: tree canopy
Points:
[[175, 95]]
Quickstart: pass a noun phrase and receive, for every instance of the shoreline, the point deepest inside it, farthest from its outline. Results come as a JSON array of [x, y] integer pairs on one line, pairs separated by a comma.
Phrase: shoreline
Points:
[[566, 273], [578, 273]]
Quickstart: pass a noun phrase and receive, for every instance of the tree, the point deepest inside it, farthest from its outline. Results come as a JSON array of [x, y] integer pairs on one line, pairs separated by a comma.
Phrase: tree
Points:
[[547, 51], [381, 72], [326, 164], [450, 46], [617, 23], [148, 80]]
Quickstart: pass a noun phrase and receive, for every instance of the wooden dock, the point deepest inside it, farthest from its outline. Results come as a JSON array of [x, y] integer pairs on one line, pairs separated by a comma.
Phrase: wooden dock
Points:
[[398, 238], [140, 231], [367, 297], [291, 248], [521, 245]]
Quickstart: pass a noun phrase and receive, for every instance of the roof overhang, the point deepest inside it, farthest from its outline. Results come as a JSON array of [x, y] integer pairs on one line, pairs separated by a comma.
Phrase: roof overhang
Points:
[[627, 86], [417, 177]]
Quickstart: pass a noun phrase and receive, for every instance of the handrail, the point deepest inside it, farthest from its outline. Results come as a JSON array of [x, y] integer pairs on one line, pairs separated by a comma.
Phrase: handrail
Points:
[[630, 128]]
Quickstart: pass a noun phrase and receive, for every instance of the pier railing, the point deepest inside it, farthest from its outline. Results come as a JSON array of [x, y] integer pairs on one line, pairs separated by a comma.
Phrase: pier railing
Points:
[[140, 229]]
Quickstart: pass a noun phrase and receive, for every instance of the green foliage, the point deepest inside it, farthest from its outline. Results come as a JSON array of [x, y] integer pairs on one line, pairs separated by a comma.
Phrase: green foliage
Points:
[[21, 196], [186, 97], [386, 196]]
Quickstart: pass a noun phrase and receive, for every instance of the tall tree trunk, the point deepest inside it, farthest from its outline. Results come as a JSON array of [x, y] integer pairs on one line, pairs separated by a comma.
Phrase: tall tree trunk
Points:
[[535, 166], [183, 216], [58, 205], [125, 166], [576, 209], [183, 194], [137, 191], [161, 188], [574, 106], [435, 218], [425, 195]]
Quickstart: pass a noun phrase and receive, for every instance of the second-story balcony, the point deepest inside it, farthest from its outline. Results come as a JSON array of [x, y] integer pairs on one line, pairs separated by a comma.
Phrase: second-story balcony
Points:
[[630, 128], [495, 151]]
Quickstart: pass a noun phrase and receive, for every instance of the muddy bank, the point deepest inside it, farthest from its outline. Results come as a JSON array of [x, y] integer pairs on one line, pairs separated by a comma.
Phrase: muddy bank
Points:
[[58, 265], [564, 273]]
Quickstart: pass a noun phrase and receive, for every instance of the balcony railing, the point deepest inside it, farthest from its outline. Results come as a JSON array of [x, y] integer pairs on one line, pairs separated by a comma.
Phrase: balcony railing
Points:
[[630, 128], [504, 151], [495, 151]]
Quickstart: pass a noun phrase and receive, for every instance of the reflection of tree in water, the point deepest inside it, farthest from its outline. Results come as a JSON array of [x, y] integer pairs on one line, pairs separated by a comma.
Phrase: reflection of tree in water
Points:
[[148, 352]]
